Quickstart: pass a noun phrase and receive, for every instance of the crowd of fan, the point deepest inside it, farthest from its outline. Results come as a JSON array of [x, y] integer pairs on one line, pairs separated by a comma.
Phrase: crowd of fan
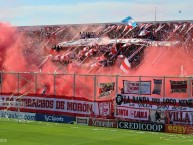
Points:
[[34, 39], [38, 36], [157, 32]]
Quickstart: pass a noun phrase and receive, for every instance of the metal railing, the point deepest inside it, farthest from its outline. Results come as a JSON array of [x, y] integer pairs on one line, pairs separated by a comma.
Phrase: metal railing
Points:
[[82, 85]]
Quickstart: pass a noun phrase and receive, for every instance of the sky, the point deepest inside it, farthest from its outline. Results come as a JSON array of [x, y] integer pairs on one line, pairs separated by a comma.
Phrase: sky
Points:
[[51, 12]]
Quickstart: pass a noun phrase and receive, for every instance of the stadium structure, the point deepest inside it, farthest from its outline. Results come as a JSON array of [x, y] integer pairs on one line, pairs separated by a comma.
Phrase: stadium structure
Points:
[[132, 75]]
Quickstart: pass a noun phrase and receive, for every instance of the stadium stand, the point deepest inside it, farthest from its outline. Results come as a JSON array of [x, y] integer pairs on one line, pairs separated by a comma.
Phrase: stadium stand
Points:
[[88, 44]]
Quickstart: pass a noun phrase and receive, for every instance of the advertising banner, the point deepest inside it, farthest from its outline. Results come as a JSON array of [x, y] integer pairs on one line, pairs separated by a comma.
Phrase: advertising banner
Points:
[[17, 115], [82, 120], [144, 87], [111, 123], [141, 126], [54, 118], [179, 129]]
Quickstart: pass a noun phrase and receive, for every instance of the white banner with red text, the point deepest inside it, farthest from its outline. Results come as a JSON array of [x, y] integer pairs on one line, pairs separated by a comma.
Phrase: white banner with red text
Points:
[[132, 113], [78, 107]]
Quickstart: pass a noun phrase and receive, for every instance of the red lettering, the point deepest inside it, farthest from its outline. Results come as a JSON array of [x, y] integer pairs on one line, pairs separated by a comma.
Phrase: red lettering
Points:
[[60, 104], [122, 112], [78, 107]]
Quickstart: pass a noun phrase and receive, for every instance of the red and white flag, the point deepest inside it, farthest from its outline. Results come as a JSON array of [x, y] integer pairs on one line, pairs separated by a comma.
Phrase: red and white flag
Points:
[[125, 66]]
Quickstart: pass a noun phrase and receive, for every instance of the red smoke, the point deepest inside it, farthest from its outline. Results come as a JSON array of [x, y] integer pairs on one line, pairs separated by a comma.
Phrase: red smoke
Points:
[[11, 56], [166, 61], [158, 61], [7, 39]]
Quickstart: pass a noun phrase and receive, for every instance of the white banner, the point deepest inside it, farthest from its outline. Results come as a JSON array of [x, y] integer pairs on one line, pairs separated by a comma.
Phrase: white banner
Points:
[[147, 102], [130, 87], [132, 113], [160, 107], [61, 105]]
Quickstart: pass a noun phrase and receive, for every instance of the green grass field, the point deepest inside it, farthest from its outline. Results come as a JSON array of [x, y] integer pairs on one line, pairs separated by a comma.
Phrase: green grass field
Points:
[[42, 133]]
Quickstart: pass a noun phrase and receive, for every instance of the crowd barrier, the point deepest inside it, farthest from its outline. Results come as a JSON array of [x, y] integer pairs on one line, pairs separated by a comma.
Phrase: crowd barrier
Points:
[[95, 87]]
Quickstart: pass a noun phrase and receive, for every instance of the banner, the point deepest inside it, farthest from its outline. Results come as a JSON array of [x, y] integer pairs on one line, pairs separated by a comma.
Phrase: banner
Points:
[[104, 108], [68, 106], [178, 86], [141, 126], [82, 120], [157, 86], [17, 115], [147, 102], [54, 118], [105, 89], [111, 123], [157, 116], [179, 117], [132, 113], [144, 87], [179, 129]]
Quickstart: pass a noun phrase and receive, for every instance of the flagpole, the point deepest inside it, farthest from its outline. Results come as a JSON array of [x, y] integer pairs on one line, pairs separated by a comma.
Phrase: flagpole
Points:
[[155, 13]]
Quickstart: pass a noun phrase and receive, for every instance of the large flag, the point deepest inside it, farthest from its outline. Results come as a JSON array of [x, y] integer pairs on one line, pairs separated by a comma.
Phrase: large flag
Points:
[[129, 21], [125, 66]]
